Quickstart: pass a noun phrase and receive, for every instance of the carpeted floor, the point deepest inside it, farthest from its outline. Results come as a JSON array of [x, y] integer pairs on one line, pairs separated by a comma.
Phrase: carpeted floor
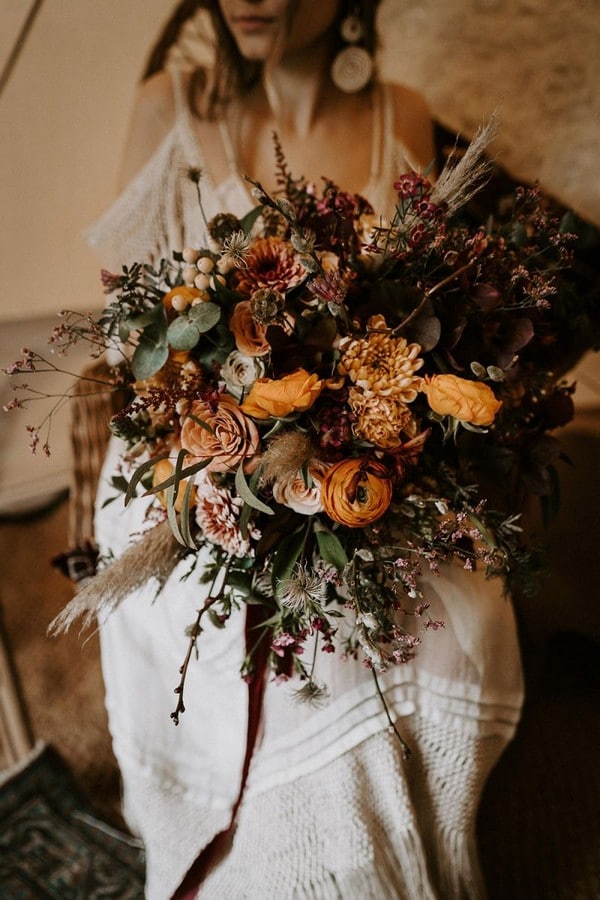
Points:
[[59, 678], [53, 845]]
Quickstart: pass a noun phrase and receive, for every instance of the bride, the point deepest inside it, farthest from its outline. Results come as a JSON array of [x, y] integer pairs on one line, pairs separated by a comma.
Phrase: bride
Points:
[[305, 803]]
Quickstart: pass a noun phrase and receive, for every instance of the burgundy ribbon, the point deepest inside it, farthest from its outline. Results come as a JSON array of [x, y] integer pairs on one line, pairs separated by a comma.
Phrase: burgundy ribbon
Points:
[[222, 841]]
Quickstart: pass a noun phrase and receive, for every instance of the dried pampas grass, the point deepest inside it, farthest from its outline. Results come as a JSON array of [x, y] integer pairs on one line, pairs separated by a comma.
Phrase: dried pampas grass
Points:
[[152, 558], [285, 455], [459, 181]]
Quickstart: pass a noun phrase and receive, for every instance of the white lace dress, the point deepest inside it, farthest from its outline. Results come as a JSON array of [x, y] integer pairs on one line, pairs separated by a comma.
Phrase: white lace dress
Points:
[[330, 808]]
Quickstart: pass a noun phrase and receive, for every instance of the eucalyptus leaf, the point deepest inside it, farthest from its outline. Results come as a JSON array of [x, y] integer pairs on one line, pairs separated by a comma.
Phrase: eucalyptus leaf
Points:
[[185, 473], [141, 320], [139, 474], [241, 486], [185, 516], [172, 516], [183, 334], [246, 510], [148, 358], [204, 316]]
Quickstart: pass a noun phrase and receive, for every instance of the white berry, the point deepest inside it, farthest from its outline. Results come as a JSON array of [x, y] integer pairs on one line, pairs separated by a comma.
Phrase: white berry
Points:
[[190, 255]]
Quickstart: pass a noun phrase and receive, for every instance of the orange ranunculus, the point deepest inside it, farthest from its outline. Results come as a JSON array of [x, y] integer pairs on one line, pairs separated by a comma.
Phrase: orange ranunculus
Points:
[[229, 439], [356, 492], [250, 336], [163, 470], [292, 393], [468, 401]]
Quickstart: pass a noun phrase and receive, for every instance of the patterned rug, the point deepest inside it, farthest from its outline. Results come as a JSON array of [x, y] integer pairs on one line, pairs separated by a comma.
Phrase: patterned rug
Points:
[[53, 845]]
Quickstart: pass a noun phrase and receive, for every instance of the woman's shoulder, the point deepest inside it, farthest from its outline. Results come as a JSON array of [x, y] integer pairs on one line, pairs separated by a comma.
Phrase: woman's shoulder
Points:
[[152, 119], [412, 122], [155, 98]]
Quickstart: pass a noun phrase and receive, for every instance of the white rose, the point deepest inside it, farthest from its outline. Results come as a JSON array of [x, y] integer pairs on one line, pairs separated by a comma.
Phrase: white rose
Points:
[[239, 372], [294, 493]]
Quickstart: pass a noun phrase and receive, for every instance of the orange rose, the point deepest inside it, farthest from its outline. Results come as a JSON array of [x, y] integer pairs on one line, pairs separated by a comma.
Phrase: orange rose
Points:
[[356, 492], [231, 438], [163, 470], [468, 401], [292, 393], [250, 335]]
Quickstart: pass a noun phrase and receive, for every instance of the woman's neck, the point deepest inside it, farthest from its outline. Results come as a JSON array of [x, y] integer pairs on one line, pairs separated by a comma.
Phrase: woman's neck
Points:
[[297, 88]]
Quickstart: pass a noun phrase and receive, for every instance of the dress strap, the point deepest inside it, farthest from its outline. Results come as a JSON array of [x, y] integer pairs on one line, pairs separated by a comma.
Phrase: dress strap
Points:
[[184, 124], [228, 146], [382, 121], [179, 93]]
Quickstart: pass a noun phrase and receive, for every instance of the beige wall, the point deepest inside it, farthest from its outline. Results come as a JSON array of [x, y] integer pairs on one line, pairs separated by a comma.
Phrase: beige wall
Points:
[[62, 121]]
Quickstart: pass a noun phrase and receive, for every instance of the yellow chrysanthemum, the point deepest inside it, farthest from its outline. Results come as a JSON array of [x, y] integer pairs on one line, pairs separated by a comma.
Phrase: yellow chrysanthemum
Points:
[[384, 421], [381, 365]]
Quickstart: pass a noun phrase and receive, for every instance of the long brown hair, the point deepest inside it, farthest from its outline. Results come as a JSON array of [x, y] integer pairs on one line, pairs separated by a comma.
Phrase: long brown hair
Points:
[[232, 74]]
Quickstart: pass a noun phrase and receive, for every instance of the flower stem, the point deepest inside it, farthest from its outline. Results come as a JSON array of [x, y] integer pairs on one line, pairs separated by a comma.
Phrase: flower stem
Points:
[[196, 631], [406, 751]]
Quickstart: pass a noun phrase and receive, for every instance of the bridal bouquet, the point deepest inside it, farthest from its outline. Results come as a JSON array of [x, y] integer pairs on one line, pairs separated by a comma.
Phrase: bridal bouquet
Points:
[[329, 404]]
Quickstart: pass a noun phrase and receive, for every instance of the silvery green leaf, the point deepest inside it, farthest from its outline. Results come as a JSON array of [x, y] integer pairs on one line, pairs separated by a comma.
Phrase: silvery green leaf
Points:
[[183, 334], [205, 316], [148, 358]]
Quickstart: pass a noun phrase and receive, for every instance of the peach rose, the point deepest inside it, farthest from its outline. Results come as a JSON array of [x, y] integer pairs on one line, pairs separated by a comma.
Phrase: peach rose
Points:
[[295, 392], [356, 492], [250, 336], [293, 492], [163, 470], [468, 401], [231, 439]]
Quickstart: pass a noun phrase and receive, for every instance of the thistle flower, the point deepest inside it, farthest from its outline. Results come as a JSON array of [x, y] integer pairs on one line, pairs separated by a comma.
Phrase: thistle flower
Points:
[[303, 590], [313, 693], [236, 248]]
